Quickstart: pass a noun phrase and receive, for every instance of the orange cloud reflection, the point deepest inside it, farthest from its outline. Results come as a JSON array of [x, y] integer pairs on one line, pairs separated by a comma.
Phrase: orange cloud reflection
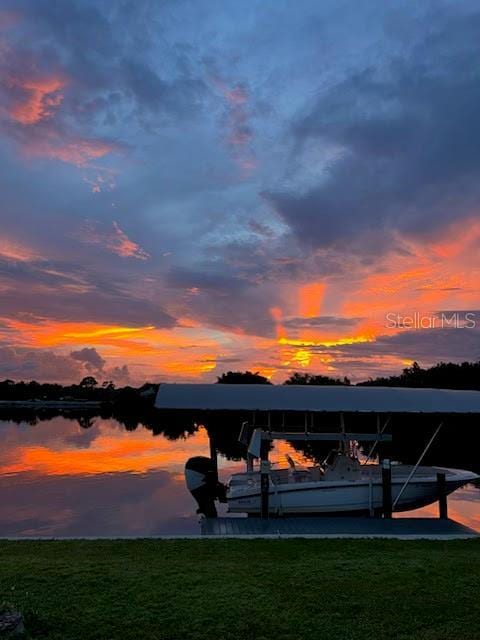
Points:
[[113, 450]]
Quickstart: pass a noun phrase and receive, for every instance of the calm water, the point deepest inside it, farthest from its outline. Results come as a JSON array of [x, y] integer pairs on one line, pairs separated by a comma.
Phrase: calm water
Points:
[[58, 478]]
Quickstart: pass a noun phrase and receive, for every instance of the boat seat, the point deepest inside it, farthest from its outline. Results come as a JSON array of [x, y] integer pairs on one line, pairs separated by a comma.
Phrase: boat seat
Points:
[[315, 473], [298, 475]]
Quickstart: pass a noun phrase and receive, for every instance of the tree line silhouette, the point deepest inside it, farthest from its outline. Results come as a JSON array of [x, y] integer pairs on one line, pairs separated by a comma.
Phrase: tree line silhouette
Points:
[[87, 389], [444, 375]]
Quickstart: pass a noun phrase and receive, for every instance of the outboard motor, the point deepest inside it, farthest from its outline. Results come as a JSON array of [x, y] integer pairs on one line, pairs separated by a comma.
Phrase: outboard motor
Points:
[[201, 478]]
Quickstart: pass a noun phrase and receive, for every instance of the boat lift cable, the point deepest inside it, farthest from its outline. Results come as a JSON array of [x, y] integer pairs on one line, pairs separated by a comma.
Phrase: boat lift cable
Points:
[[370, 453], [416, 466]]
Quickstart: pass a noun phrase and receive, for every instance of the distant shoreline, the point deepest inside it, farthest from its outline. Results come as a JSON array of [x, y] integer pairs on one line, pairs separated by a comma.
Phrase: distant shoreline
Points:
[[54, 404]]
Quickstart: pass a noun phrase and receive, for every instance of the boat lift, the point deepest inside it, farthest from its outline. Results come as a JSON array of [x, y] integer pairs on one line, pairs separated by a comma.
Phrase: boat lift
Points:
[[309, 400], [260, 444]]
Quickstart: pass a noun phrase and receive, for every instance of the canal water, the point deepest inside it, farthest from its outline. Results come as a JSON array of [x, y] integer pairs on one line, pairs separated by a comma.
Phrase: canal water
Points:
[[97, 477]]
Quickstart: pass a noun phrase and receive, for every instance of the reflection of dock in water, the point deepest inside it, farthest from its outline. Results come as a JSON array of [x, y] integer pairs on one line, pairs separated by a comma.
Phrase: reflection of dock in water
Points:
[[336, 527]]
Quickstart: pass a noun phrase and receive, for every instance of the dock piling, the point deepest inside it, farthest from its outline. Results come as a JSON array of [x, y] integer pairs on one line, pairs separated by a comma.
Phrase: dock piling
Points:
[[264, 478], [213, 452], [387, 488], [442, 496]]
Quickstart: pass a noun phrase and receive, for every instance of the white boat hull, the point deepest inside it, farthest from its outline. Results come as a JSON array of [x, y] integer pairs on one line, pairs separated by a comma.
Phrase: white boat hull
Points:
[[337, 496]]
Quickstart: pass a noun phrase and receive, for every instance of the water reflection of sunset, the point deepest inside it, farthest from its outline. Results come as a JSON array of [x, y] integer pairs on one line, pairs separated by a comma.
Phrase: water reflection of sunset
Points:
[[110, 450], [57, 478], [463, 506]]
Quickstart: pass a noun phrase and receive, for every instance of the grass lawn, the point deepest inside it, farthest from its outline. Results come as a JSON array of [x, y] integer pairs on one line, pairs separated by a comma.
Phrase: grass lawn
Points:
[[244, 589]]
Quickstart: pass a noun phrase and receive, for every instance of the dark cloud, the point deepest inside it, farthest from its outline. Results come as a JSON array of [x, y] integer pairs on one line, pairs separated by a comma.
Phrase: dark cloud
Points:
[[404, 139], [23, 363], [37, 364], [119, 374], [227, 298], [426, 346], [79, 86], [65, 292], [180, 96], [90, 357]]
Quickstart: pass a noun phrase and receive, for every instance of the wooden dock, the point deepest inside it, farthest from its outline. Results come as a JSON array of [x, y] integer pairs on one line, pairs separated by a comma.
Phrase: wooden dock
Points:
[[335, 527]]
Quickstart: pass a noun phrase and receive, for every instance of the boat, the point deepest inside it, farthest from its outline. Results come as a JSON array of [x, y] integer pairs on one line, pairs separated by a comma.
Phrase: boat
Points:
[[343, 483]]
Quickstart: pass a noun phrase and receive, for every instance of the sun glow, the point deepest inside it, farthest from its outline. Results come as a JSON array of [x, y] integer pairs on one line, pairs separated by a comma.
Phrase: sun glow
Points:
[[107, 331], [327, 343]]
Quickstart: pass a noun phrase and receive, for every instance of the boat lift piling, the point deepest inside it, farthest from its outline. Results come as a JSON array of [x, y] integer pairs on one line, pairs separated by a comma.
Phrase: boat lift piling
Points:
[[386, 488], [442, 496], [213, 452], [265, 474], [264, 478]]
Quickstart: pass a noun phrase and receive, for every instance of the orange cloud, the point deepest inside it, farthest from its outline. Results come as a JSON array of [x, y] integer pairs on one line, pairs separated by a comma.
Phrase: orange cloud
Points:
[[310, 299], [121, 244], [114, 240], [237, 95], [419, 281], [434, 283], [15, 252], [335, 342], [180, 352], [458, 237], [49, 333], [238, 117], [42, 96], [77, 151], [277, 316]]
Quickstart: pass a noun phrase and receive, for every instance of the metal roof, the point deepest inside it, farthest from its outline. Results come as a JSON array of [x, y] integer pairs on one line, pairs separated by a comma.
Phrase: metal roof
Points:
[[333, 399]]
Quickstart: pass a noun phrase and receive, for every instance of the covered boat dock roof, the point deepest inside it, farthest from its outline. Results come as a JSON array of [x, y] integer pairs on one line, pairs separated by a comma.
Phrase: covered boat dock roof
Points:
[[311, 398]]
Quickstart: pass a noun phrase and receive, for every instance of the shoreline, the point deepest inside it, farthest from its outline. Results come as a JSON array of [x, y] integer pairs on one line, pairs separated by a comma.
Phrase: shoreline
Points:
[[53, 404]]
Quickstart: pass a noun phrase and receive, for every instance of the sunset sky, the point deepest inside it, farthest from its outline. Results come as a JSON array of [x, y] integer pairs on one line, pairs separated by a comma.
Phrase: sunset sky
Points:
[[189, 187]]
